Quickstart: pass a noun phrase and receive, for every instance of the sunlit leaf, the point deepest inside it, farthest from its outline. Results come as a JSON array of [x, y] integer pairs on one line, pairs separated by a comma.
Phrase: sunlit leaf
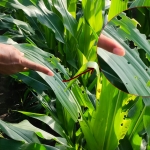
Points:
[[69, 22], [116, 7], [109, 120], [43, 15]]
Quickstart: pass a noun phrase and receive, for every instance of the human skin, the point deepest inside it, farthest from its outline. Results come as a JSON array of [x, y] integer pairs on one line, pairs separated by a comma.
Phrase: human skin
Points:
[[13, 61], [110, 45]]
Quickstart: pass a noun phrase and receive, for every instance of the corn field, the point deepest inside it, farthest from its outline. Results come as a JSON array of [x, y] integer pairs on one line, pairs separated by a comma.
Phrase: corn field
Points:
[[106, 109]]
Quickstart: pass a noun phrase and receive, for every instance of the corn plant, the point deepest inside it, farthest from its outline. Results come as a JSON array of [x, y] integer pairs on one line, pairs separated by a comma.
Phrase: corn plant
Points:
[[62, 35]]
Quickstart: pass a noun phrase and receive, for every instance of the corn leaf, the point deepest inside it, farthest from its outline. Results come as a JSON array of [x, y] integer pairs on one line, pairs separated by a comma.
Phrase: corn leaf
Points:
[[54, 82], [18, 133], [140, 3], [44, 16], [37, 55], [16, 145], [91, 142], [136, 126], [116, 7], [130, 68], [47, 120], [92, 10], [91, 24], [146, 117], [108, 124], [26, 125], [72, 7], [32, 79], [69, 22], [20, 24]]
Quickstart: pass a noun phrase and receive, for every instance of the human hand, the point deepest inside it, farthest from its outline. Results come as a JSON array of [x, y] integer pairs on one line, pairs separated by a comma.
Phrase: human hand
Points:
[[13, 61], [110, 45]]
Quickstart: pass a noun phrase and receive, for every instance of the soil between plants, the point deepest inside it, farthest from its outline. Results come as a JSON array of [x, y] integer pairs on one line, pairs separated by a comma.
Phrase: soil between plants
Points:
[[9, 97]]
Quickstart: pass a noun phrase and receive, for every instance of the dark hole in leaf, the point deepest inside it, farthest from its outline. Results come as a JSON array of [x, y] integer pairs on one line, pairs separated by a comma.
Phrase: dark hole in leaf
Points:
[[131, 44], [128, 62], [146, 69], [122, 124], [119, 18], [83, 92], [57, 70]]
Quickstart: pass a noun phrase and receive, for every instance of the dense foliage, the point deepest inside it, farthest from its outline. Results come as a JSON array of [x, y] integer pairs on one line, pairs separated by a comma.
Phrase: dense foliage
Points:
[[88, 112]]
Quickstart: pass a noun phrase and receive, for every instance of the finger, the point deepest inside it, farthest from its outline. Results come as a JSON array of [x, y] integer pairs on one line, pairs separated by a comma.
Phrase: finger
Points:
[[22, 54], [25, 69], [110, 45], [37, 67]]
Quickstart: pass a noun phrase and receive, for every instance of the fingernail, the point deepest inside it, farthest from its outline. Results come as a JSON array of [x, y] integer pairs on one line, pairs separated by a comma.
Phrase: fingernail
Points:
[[50, 73], [118, 51]]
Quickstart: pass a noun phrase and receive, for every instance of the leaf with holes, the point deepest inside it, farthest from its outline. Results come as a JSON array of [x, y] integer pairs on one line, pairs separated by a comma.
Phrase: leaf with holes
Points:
[[130, 68]]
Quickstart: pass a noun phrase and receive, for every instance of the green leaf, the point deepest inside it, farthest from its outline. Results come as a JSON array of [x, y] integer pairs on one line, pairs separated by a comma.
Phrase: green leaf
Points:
[[89, 64], [108, 123], [69, 22], [90, 139], [35, 146], [35, 54], [138, 73], [25, 125], [136, 115], [66, 97], [90, 28], [72, 6], [140, 3], [15, 145], [10, 144], [6, 40], [86, 36], [82, 96], [116, 7], [148, 57], [47, 120], [33, 80], [44, 16], [92, 10], [148, 83], [109, 120], [20, 24], [146, 117], [17, 133]]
